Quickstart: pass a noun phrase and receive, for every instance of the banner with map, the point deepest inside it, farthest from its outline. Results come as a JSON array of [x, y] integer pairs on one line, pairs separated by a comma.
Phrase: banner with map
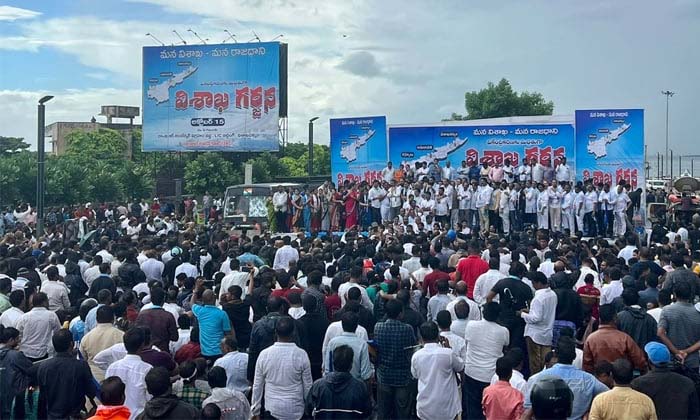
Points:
[[481, 143], [610, 146], [221, 97], [358, 148]]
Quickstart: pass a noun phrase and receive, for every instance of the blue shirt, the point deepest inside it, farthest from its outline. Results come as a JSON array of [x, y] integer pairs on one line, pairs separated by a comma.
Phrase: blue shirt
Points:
[[91, 318], [248, 257], [213, 325], [583, 385]]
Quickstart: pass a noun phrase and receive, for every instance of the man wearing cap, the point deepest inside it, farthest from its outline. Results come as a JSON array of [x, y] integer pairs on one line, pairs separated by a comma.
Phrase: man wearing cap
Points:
[[673, 394]]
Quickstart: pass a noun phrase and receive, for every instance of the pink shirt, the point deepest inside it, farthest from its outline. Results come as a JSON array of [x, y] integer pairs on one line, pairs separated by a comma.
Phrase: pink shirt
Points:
[[496, 173], [502, 402]]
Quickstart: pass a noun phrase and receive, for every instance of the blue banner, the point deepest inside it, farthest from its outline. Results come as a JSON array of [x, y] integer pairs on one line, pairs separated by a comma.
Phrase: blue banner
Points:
[[482, 143], [358, 148], [610, 146], [211, 97]]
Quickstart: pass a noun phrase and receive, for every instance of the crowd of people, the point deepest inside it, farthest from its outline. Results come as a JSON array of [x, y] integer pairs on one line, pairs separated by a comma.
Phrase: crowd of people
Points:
[[479, 198], [504, 317]]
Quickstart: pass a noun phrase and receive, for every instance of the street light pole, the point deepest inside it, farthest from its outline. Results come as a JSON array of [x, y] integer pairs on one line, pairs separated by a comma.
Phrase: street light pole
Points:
[[41, 160], [311, 145], [668, 94]]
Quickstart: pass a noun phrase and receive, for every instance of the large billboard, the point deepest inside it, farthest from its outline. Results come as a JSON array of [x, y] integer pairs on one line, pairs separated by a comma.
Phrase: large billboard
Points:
[[222, 97], [358, 148], [493, 143], [610, 146]]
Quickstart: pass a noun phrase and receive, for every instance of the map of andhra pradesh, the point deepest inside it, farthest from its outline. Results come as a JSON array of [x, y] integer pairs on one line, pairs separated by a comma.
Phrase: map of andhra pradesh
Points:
[[599, 147], [349, 151], [161, 92]]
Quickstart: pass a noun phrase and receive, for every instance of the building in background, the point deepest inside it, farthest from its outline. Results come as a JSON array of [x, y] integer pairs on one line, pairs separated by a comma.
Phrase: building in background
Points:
[[59, 131]]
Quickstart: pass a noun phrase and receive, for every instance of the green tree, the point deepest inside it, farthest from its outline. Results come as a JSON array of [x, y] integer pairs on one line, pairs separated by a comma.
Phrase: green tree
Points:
[[502, 101], [12, 145], [210, 172], [66, 180], [136, 181], [18, 178], [103, 144]]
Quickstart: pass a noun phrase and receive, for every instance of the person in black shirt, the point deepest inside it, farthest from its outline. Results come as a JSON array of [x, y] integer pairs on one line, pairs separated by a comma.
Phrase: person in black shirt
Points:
[[238, 311], [353, 304], [314, 327], [64, 380], [513, 295], [409, 316]]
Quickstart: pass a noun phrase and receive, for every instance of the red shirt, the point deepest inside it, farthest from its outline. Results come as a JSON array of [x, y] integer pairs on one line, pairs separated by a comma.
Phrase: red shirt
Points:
[[470, 269], [332, 303], [189, 351], [585, 292], [430, 281]]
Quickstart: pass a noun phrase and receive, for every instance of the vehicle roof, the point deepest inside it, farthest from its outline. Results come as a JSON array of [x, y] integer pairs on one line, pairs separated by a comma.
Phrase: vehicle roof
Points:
[[266, 185]]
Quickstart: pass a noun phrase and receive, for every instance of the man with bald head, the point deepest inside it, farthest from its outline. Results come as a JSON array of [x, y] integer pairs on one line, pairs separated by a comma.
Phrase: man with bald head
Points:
[[213, 322], [461, 296]]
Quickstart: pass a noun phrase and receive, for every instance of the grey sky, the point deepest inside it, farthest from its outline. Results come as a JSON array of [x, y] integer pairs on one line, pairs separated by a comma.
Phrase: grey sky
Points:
[[409, 60]]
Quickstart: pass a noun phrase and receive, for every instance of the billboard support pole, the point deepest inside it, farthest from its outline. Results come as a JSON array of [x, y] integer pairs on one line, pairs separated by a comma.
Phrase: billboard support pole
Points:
[[311, 146]]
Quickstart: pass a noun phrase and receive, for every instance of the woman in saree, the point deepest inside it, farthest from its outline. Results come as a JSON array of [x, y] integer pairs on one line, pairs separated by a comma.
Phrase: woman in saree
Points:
[[352, 207], [365, 214], [336, 209], [306, 209], [297, 208], [316, 215]]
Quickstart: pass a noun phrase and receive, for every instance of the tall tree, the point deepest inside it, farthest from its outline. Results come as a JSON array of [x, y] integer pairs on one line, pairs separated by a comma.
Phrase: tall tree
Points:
[[12, 144], [502, 101], [210, 172]]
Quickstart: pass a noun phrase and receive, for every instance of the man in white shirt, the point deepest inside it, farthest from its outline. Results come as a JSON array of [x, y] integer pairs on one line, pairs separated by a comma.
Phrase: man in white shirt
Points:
[[435, 368], [563, 172], [457, 343], [589, 211], [412, 264], [283, 375], [622, 202], [188, 267], [539, 322], [375, 196], [55, 290], [285, 255], [461, 296], [537, 172], [567, 210], [485, 342], [106, 256], [613, 287], [485, 282], [629, 250], [483, 198], [578, 208], [36, 328], [236, 277], [279, 202], [132, 371], [151, 267], [11, 316], [586, 269], [93, 272], [555, 193], [235, 364], [353, 281], [388, 172]]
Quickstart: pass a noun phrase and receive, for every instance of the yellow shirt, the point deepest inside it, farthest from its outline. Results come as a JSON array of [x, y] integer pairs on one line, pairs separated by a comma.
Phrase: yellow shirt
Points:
[[622, 403], [102, 337]]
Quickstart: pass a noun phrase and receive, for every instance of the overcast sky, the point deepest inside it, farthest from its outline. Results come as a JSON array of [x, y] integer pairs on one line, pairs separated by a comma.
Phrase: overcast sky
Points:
[[409, 60]]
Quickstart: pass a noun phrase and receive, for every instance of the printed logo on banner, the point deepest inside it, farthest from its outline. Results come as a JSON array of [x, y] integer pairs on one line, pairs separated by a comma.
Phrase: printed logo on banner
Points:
[[610, 146], [494, 144], [358, 149], [211, 97]]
